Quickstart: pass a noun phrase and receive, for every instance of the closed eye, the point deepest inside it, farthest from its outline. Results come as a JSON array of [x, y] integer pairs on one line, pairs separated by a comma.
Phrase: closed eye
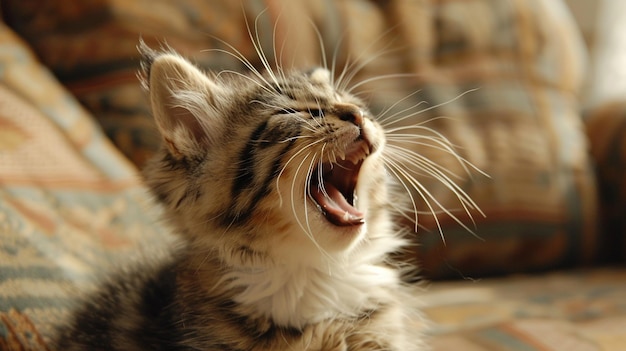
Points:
[[316, 112], [286, 111]]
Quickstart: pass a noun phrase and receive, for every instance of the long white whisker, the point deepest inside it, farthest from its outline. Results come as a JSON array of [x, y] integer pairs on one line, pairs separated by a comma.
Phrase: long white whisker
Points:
[[437, 172], [306, 228], [432, 107], [441, 145], [256, 43], [239, 56], [282, 170], [350, 69], [320, 41], [226, 71], [427, 196], [377, 78], [380, 118]]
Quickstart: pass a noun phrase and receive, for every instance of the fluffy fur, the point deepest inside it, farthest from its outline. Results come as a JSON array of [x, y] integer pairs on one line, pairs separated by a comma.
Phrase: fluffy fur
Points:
[[267, 260]]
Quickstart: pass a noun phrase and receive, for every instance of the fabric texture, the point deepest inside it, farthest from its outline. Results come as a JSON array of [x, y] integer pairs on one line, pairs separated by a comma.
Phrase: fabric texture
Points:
[[70, 204], [574, 310], [606, 128]]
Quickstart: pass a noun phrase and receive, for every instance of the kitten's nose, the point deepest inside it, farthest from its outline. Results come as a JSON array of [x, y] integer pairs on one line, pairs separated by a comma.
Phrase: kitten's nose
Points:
[[349, 113]]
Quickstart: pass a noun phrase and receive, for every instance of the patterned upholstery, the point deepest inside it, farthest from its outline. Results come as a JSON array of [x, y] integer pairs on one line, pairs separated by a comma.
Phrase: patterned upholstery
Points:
[[582, 310], [607, 134], [70, 204], [507, 87]]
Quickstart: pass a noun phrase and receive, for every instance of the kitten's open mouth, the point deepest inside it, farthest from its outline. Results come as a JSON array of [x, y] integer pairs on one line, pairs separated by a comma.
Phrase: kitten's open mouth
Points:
[[333, 185]]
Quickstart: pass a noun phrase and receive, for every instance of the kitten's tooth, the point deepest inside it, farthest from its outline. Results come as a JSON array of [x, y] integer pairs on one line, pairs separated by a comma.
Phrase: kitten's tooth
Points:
[[346, 216], [354, 159]]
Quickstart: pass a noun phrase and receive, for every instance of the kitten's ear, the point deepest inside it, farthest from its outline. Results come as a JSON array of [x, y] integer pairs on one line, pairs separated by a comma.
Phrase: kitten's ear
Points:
[[320, 75], [186, 104]]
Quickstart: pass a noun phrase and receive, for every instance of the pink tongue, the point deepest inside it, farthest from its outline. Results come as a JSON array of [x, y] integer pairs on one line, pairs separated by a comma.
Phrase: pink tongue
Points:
[[336, 208]]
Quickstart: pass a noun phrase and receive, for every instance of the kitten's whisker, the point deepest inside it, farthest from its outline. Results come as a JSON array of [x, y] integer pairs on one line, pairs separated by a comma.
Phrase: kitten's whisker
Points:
[[393, 132], [309, 126], [414, 158], [433, 107], [320, 175], [247, 78], [235, 53], [278, 57], [392, 169], [333, 69], [319, 107], [429, 120], [427, 196], [373, 57], [350, 69], [438, 138], [441, 145], [282, 170], [438, 172], [384, 121], [290, 139], [307, 229], [377, 78], [277, 65], [401, 176], [320, 41], [433, 142], [256, 43], [381, 117], [239, 56]]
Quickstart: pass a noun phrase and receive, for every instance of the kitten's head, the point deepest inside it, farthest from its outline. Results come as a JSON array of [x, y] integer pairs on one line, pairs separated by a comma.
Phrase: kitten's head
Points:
[[280, 166]]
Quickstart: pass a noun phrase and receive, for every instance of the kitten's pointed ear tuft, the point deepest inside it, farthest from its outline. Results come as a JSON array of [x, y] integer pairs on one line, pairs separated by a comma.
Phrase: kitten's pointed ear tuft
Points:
[[147, 58], [186, 104]]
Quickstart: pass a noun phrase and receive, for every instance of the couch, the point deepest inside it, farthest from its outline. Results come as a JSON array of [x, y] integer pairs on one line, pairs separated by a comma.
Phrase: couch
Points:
[[525, 91]]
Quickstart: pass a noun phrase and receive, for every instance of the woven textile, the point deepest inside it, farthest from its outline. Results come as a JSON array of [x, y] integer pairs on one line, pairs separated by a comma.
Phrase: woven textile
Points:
[[70, 204], [607, 134], [579, 310]]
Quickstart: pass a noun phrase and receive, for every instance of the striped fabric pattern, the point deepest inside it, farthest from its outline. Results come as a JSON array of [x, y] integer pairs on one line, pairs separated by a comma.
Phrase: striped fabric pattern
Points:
[[70, 204]]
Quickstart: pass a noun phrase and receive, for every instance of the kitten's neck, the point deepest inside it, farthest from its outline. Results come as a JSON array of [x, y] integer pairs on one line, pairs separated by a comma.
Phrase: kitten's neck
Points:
[[298, 295]]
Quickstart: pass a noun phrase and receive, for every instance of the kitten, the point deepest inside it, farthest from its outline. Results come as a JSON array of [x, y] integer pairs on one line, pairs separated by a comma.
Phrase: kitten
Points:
[[276, 185]]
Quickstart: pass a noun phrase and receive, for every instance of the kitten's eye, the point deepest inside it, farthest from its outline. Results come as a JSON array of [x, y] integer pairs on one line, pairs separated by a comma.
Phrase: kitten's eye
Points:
[[315, 113], [286, 111]]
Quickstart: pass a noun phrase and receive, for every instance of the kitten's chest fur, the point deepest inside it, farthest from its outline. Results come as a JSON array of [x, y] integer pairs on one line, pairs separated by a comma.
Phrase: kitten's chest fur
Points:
[[179, 307], [330, 317]]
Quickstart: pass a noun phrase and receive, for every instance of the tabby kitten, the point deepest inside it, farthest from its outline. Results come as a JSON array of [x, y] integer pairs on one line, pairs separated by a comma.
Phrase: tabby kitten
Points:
[[276, 186]]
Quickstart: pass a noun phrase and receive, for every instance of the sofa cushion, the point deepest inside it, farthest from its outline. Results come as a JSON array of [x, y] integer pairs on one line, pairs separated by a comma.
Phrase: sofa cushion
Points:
[[581, 310], [606, 126], [70, 204]]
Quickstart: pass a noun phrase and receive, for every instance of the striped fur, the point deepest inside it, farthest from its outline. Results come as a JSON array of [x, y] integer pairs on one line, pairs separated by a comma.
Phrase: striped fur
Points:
[[261, 265]]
